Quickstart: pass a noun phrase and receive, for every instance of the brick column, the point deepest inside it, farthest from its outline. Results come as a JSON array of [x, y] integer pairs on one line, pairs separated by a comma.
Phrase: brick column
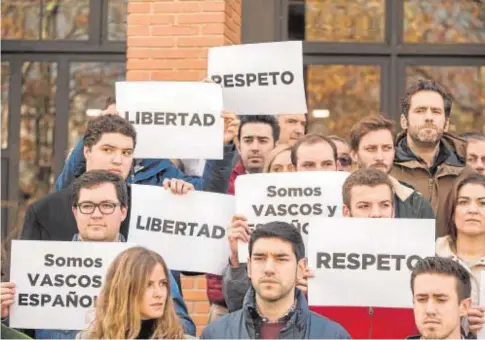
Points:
[[168, 40]]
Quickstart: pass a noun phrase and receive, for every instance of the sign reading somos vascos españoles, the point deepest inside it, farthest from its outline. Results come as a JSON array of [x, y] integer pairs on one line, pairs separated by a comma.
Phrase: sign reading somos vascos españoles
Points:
[[57, 283], [366, 262], [189, 231], [265, 78], [173, 119], [290, 197]]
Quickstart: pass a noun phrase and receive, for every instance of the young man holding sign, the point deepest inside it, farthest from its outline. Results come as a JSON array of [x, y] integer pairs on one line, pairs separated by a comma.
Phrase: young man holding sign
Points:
[[372, 144], [273, 307], [100, 205], [312, 152], [368, 193], [441, 296]]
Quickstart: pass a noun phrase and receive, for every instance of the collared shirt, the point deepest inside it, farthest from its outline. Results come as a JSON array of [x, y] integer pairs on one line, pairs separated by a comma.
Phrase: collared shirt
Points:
[[283, 319], [78, 238], [271, 329]]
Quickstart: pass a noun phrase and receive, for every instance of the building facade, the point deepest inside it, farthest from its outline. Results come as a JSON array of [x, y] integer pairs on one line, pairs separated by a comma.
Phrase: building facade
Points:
[[61, 58]]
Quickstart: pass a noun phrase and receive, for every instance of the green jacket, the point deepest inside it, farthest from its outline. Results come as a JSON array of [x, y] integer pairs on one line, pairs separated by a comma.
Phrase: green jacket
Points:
[[10, 333]]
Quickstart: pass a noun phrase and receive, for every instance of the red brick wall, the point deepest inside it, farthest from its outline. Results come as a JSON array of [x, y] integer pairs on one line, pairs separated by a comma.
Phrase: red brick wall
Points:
[[168, 40]]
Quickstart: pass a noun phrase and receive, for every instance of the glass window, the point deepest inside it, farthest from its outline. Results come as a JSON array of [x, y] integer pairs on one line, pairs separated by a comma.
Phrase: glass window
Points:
[[444, 21], [5, 84], [117, 12], [467, 87], [340, 95], [337, 20], [89, 86], [37, 120], [59, 20], [66, 19], [21, 19]]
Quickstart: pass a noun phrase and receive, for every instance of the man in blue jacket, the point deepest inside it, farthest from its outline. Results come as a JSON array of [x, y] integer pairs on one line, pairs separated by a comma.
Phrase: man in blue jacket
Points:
[[109, 144], [273, 308]]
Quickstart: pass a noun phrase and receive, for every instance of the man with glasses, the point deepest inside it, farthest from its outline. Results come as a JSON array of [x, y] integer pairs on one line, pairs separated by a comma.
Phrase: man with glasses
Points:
[[372, 145], [109, 143], [344, 161], [99, 203]]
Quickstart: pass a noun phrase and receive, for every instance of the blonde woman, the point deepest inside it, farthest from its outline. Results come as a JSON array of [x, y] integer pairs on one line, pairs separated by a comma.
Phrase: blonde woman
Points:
[[134, 302], [279, 159]]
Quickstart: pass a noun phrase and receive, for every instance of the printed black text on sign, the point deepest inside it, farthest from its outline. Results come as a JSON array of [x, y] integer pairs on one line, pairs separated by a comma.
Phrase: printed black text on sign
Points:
[[260, 79]]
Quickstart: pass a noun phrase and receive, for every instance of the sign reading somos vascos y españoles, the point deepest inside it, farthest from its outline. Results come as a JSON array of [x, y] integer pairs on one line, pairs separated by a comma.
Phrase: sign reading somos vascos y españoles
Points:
[[57, 283], [180, 120], [290, 197], [265, 78]]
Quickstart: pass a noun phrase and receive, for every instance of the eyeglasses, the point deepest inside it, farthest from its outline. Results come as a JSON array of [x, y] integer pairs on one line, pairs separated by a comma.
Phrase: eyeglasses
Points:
[[106, 208], [345, 161]]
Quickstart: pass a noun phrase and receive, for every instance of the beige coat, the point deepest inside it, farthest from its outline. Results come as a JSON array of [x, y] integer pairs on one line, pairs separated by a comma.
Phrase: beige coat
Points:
[[443, 249]]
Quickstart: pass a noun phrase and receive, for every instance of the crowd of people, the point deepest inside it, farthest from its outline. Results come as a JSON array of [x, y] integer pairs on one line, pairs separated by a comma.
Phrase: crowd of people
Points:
[[423, 172]]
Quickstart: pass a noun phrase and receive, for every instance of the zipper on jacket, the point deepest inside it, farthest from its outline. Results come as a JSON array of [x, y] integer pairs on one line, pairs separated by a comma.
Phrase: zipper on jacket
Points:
[[430, 187], [371, 317]]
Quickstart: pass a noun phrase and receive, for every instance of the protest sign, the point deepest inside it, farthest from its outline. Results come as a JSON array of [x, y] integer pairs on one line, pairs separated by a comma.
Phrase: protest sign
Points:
[[290, 197], [366, 262], [173, 119], [481, 334], [57, 283], [174, 224], [264, 78]]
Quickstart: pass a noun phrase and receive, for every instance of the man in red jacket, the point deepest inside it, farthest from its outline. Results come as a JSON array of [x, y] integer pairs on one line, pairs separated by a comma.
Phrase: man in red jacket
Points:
[[368, 193], [257, 136]]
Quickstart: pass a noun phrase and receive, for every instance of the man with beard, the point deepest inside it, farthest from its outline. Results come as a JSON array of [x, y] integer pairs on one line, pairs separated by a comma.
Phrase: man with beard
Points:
[[441, 291], [427, 157], [372, 145], [273, 308]]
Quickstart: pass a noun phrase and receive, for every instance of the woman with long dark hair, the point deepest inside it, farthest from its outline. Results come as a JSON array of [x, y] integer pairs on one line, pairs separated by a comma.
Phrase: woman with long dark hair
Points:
[[465, 242]]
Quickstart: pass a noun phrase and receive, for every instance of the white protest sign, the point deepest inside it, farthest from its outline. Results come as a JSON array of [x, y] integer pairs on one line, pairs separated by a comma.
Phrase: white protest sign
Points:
[[173, 119], [264, 78], [189, 231], [293, 197], [57, 282], [481, 334], [366, 262]]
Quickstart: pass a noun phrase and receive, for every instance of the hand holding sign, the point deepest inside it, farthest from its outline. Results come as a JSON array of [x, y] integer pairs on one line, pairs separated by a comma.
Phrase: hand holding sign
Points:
[[302, 283], [231, 126], [7, 290], [238, 230], [476, 318], [177, 186]]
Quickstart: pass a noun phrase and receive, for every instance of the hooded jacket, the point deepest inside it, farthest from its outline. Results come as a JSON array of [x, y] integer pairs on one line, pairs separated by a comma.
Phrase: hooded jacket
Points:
[[433, 185], [409, 203], [302, 323]]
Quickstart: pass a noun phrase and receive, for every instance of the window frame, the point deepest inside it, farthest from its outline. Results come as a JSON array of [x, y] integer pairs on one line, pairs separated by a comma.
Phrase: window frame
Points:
[[96, 43], [393, 53]]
